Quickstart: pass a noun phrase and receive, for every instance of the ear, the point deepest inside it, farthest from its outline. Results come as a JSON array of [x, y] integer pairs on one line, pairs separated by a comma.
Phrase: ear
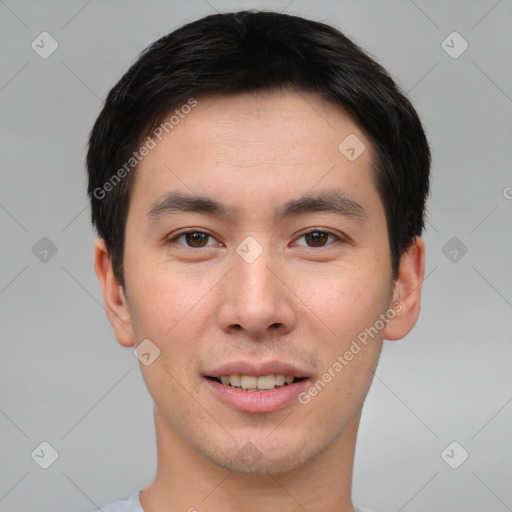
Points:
[[407, 292], [115, 302]]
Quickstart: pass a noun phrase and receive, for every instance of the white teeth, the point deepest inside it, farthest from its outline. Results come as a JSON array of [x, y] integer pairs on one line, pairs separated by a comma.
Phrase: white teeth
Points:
[[266, 382], [253, 383], [234, 380], [248, 382]]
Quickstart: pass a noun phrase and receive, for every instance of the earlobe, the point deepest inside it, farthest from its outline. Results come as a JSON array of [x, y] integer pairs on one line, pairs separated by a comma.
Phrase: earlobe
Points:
[[116, 305], [407, 291]]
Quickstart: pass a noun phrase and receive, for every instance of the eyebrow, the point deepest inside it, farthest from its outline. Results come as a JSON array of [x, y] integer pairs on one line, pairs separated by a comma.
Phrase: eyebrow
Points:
[[331, 201]]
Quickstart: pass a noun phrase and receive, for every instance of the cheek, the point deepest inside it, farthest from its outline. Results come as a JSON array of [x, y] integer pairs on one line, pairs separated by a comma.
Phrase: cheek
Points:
[[346, 300], [169, 309], [162, 299]]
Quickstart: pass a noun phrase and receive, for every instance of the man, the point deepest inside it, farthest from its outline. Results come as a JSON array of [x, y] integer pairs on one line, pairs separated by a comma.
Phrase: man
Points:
[[258, 184]]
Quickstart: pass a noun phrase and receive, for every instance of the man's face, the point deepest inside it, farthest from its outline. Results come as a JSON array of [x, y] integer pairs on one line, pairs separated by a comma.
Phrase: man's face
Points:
[[217, 300]]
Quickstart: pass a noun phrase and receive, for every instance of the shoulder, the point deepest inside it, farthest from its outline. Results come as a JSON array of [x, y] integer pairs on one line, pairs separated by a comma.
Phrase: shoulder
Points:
[[132, 504]]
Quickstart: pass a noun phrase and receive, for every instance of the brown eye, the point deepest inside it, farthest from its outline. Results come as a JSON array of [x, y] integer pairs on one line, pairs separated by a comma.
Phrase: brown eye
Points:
[[193, 239], [196, 239], [318, 238]]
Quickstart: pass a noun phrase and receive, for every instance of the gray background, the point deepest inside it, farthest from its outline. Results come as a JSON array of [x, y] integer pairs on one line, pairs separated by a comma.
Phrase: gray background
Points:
[[64, 378]]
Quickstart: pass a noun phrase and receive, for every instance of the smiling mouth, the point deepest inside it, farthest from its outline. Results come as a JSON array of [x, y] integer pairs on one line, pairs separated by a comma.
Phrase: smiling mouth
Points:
[[253, 383]]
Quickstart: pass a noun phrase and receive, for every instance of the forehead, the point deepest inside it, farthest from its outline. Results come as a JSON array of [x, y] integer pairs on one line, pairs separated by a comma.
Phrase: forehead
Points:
[[260, 145], [265, 120]]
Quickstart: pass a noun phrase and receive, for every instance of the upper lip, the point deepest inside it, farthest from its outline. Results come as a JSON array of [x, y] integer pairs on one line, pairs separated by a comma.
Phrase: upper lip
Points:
[[257, 369]]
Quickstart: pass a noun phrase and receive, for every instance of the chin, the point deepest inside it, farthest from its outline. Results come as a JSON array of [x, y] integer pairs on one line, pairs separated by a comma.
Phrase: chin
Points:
[[263, 466], [261, 456]]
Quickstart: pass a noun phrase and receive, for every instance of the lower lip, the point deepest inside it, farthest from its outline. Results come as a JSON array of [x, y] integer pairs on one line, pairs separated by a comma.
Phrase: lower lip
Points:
[[257, 401]]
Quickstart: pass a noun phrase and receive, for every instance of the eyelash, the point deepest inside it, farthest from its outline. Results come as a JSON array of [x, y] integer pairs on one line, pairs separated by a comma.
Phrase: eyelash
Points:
[[311, 230]]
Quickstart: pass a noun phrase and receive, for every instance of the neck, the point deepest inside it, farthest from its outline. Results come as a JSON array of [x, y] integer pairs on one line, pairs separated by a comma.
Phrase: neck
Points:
[[185, 480]]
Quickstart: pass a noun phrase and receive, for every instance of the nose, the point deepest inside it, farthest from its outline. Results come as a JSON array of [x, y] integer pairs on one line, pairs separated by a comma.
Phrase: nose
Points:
[[255, 299]]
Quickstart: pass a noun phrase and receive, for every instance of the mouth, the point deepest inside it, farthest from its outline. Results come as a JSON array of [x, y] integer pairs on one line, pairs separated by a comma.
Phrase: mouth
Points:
[[256, 386], [262, 393], [252, 383]]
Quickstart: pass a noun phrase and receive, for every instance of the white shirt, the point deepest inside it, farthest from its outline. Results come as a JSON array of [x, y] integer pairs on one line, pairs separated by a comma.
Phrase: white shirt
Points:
[[132, 504]]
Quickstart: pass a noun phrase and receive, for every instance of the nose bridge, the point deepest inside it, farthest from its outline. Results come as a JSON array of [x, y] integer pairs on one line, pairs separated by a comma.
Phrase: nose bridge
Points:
[[255, 282], [254, 298]]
